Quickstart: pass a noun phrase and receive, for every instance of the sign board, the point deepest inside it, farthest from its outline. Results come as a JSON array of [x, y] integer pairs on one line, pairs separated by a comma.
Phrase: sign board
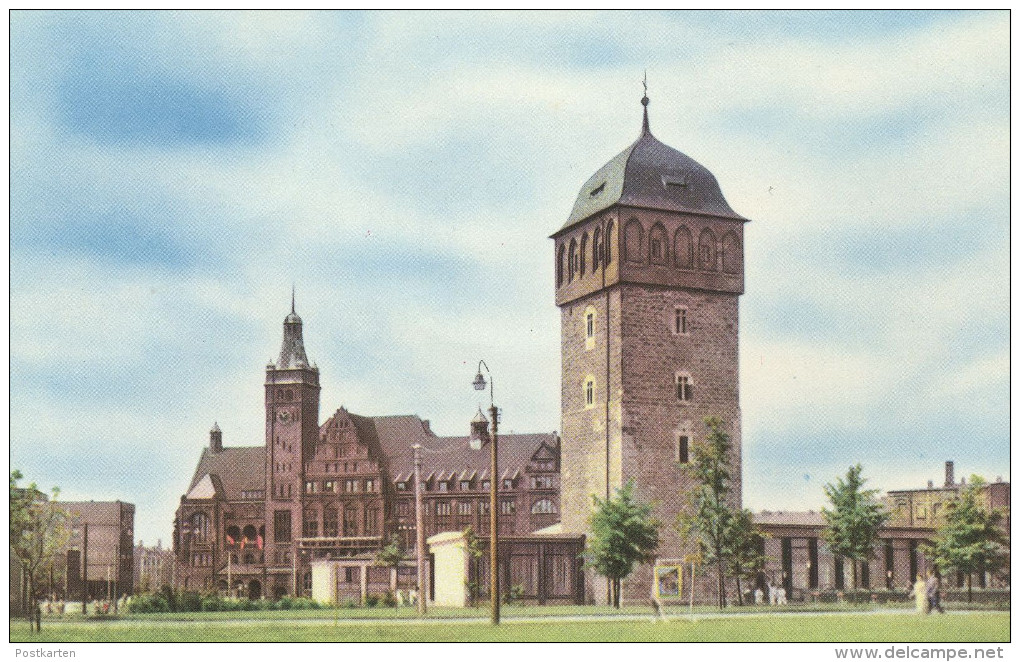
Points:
[[668, 582]]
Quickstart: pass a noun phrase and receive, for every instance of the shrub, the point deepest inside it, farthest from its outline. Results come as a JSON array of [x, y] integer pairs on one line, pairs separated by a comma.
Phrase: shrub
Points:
[[388, 599], [284, 602], [169, 596], [189, 601], [349, 603], [371, 600], [148, 604]]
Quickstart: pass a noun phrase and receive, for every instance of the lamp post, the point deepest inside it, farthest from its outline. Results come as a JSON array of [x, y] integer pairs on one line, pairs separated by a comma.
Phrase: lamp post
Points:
[[479, 385], [419, 531]]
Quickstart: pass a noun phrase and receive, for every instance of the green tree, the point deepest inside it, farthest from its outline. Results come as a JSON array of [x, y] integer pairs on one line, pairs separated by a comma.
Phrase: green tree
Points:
[[39, 530], [623, 533], [853, 522], [745, 549], [709, 520], [391, 556], [969, 538]]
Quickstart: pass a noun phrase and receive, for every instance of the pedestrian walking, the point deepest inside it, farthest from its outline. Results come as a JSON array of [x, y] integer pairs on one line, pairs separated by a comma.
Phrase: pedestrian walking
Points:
[[932, 589], [920, 595]]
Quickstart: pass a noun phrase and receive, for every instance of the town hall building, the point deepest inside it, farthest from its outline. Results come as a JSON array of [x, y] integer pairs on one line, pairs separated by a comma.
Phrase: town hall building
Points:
[[255, 518]]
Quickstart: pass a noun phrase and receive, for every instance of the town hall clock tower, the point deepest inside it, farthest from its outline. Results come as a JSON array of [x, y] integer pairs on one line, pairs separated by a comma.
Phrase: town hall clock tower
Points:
[[292, 429]]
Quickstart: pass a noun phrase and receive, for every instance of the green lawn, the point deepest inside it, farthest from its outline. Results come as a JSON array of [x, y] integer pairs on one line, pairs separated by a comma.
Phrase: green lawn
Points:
[[876, 627]]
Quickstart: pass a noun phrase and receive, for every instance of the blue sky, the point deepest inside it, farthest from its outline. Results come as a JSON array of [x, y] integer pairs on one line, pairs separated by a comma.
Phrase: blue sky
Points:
[[173, 173]]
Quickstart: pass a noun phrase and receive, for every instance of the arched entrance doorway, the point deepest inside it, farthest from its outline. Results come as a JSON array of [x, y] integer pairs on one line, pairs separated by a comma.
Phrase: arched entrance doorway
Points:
[[254, 589]]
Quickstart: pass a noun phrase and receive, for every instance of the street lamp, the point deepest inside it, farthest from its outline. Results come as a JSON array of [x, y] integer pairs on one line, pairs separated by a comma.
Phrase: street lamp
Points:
[[419, 531], [479, 385]]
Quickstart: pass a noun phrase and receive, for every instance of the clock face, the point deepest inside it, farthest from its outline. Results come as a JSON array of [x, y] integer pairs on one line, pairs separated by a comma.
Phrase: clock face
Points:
[[284, 416]]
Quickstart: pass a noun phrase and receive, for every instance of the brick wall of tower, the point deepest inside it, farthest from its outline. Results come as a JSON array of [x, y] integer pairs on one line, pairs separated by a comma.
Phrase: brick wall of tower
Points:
[[635, 304], [652, 416], [584, 428]]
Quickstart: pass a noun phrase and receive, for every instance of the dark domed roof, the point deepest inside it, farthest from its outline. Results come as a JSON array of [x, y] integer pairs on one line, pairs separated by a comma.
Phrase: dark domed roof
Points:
[[653, 175]]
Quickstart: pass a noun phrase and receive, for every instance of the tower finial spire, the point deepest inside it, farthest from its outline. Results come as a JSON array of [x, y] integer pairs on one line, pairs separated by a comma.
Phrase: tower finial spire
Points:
[[292, 299], [645, 102]]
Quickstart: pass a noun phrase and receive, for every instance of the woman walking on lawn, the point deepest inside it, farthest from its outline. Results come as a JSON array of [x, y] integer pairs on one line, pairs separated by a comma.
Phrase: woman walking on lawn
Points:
[[920, 595]]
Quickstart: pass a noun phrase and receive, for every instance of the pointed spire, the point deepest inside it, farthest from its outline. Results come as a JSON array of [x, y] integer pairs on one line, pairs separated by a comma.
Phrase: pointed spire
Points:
[[644, 102], [292, 351]]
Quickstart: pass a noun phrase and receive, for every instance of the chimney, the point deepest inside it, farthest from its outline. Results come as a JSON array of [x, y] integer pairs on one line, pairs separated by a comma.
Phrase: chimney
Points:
[[949, 473], [215, 439]]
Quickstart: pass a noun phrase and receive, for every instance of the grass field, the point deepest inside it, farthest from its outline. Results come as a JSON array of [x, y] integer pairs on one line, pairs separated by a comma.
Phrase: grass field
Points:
[[867, 627]]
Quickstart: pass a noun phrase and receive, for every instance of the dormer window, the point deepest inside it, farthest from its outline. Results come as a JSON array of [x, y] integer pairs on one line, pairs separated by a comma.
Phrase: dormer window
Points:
[[465, 485], [402, 485], [508, 484], [598, 189]]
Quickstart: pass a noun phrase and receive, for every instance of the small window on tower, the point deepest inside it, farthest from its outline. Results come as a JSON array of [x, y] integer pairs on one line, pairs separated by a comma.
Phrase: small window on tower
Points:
[[680, 321], [589, 327], [589, 392], [684, 387], [683, 443], [656, 249]]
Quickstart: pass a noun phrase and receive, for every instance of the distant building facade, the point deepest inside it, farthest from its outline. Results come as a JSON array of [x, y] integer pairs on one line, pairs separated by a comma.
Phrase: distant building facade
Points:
[[154, 567], [100, 550], [801, 563], [254, 519]]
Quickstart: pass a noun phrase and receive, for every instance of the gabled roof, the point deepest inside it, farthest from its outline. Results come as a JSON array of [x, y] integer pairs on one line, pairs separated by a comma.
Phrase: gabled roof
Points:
[[203, 489], [444, 456], [230, 471]]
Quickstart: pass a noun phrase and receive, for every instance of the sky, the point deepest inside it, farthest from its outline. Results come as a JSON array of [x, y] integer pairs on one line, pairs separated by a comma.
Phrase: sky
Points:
[[174, 174]]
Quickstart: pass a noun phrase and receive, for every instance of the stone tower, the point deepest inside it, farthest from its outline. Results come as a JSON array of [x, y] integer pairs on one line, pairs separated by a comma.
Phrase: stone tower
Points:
[[292, 429], [649, 268]]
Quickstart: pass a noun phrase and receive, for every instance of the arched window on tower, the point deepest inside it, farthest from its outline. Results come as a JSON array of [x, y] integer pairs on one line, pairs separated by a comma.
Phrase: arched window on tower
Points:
[[596, 248], [731, 257], [706, 250], [583, 257], [633, 238], [657, 244], [683, 248], [572, 261], [607, 248], [561, 265]]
